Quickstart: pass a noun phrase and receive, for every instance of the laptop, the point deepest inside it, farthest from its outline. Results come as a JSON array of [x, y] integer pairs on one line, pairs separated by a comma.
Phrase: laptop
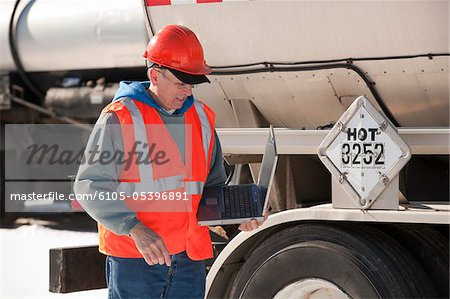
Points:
[[234, 204]]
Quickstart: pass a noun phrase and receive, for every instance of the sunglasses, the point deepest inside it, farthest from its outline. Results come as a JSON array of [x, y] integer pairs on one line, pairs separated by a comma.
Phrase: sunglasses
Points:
[[179, 85]]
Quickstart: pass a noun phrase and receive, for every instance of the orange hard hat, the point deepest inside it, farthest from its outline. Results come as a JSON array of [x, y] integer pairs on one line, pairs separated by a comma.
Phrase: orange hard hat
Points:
[[177, 47]]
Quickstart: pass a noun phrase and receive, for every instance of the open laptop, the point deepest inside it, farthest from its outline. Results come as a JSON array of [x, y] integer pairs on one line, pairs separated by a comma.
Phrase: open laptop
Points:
[[233, 204]]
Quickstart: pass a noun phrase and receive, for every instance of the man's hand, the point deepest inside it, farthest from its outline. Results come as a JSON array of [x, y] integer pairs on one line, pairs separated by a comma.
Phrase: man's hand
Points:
[[150, 245], [219, 231], [252, 224]]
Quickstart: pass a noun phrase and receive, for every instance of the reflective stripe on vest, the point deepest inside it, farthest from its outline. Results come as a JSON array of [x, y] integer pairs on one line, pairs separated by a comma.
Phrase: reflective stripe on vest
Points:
[[145, 171], [206, 128]]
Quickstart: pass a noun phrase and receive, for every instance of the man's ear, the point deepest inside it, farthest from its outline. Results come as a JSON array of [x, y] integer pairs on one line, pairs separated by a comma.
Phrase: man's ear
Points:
[[152, 75]]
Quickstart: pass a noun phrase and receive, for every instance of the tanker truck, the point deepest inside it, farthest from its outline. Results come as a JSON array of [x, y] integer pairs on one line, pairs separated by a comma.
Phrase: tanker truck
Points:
[[308, 68]]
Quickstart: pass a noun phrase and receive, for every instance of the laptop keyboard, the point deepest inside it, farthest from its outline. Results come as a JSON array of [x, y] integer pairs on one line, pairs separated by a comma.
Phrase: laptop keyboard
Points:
[[238, 202]]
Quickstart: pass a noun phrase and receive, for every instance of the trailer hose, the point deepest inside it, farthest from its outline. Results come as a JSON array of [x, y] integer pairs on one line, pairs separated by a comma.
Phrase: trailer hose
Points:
[[12, 35], [349, 59]]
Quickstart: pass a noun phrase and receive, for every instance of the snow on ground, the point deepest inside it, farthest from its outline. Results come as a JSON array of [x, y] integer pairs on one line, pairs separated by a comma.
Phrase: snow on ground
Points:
[[24, 257]]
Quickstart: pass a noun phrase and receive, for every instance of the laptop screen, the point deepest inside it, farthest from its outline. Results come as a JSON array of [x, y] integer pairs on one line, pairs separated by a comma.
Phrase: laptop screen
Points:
[[269, 162]]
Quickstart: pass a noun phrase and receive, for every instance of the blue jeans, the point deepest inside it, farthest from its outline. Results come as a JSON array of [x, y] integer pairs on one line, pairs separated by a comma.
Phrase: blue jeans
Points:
[[129, 278]]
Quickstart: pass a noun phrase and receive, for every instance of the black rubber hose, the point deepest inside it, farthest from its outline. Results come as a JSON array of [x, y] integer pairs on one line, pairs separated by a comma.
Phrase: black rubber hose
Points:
[[350, 59], [12, 34], [349, 65]]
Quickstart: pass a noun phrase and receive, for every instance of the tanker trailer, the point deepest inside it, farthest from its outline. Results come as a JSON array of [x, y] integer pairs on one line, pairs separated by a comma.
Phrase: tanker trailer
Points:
[[298, 65]]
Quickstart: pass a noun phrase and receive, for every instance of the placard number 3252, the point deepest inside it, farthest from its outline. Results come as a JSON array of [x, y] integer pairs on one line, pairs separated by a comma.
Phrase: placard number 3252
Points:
[[365, 154]]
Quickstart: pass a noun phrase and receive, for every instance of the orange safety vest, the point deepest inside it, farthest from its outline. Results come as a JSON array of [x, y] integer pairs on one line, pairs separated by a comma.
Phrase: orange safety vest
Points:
[[179, 230]]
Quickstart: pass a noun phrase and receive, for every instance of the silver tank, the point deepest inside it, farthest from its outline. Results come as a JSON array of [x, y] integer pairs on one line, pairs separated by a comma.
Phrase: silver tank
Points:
[[74, 34], [77, 35]]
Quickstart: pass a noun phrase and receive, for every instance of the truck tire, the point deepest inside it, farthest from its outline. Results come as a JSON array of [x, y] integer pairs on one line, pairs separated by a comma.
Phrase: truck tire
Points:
[[332, 260], [429, 248]]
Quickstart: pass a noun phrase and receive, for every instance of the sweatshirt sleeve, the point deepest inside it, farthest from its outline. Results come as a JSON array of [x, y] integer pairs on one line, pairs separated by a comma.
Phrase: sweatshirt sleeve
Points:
[[217, 175], [97, 180]]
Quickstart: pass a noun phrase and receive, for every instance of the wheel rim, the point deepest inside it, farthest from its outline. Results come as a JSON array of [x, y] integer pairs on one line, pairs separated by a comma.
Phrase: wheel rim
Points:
[[311, 288]]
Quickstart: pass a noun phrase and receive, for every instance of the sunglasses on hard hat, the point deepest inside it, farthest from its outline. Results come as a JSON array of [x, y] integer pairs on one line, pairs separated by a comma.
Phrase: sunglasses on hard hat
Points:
[[179, 85], [182, 76]]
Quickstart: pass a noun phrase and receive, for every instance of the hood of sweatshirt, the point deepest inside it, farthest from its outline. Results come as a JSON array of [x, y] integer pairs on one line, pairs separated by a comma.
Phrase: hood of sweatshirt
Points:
[[138, 91]]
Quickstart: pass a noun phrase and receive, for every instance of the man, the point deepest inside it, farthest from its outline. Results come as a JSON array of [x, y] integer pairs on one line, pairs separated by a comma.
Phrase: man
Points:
[[155, 248]]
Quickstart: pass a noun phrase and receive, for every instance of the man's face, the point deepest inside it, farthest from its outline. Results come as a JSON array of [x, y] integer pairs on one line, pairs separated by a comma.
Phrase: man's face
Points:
[[170, 91]]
